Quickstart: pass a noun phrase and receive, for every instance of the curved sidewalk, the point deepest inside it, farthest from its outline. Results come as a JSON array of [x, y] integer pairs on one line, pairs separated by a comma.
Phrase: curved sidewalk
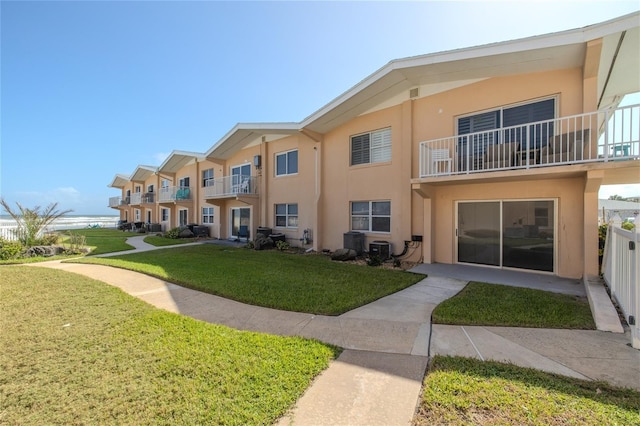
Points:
[[378, 377]]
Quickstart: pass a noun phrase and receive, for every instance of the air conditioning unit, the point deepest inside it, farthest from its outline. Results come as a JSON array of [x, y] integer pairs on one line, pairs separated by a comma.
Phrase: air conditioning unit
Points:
[[382, 249], [354, 240]]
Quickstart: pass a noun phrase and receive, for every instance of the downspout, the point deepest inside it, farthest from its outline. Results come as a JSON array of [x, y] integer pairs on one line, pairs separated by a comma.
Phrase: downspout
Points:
[[613, 62]]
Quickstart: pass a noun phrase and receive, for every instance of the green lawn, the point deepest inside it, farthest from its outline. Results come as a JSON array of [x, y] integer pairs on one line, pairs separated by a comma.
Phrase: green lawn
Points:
[[77, 351], [102, 240], [500, 305], [463, 391], [294, 282]]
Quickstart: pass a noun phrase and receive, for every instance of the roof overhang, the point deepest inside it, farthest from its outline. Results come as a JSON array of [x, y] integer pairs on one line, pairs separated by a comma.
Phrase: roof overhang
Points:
[[119, 181], [438, 72], [142, 173], [245, 135], [179, 159]]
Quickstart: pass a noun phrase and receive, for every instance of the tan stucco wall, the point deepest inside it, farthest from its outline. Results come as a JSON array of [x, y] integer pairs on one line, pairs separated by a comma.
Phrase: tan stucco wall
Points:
[[567, 193], [343, 183]]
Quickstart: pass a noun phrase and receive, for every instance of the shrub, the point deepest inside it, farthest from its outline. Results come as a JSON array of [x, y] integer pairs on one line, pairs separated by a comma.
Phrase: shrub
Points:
[[48, 240], [10, 249], [173, 233], [282, 245], [374, 260]]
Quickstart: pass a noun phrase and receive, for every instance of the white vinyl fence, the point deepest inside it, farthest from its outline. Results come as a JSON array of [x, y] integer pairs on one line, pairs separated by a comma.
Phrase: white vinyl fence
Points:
[[621, 270]]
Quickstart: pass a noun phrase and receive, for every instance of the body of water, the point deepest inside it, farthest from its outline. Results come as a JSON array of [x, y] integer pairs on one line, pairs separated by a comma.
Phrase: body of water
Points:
[[66, 222]]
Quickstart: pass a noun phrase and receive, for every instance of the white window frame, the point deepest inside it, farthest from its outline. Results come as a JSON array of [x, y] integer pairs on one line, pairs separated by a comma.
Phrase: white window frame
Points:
[[368, 217], [165, 215], [207, 215], [207, 177], [290, 218], [136, 215], [286, 154], [380, 143]]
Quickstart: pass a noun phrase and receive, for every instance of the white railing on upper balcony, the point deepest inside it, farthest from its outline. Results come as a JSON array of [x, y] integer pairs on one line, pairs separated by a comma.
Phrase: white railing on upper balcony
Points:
[[136, 198], [229, 186], [602, 136], [115, 201], [174, 193]]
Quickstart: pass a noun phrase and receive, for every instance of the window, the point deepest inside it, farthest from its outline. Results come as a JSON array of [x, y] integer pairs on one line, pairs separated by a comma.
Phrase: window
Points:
[[207, 215], [287, 215], [184, 182], [164, 183], [374, 147], [164, 215], [287, 163], [150, 188], [136, 215], [207, 177], [371, 216]]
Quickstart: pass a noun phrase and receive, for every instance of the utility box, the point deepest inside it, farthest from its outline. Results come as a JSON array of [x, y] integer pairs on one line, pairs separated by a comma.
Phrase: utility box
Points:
[[354, 240], [263, 230], [382, 249], [201, 231]]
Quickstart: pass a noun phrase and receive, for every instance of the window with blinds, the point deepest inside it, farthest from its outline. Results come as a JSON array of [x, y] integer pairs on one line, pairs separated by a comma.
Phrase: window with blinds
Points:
[[373, 147]]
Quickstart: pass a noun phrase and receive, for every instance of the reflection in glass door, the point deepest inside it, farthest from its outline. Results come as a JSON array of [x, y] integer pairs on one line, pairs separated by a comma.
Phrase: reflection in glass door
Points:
[[240, 216], [479, 233], [513, 234]]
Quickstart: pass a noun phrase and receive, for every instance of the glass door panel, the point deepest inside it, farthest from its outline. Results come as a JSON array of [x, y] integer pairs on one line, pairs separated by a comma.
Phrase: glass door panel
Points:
[[479, 233], [239, 217], [528, 231]]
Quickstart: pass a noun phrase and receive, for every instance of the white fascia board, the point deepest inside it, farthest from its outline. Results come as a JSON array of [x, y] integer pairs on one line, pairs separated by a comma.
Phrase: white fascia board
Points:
[[119, 181], [176, 153], [246, 129]]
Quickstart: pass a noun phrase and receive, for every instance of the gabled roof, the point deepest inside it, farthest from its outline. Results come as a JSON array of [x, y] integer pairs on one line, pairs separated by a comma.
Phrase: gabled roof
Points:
[[244, 135], [119, 181], [617, 71], [143, 173], [177, 160]]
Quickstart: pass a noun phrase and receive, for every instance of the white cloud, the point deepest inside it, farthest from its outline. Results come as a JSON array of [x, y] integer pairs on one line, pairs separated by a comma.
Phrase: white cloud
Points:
[[625, 191]]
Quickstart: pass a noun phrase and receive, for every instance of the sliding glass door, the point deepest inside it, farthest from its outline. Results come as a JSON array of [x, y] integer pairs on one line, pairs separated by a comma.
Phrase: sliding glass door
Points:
[[512, 234]]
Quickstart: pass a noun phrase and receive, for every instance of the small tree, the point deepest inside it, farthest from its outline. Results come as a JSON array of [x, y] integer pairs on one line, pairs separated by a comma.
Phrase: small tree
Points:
[[31, 222]]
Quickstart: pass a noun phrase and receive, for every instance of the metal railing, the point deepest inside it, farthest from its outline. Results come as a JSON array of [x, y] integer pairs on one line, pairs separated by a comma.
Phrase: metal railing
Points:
[[229, 186], [621, 271], [601, 136], [118, 201], [174, 193]]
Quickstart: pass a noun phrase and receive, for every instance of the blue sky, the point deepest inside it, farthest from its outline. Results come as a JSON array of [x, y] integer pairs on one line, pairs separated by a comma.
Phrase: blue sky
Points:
[[90, 89]]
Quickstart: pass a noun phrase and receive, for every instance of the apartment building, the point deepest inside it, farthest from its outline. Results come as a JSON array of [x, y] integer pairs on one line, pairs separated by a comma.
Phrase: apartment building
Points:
[[490, 155]]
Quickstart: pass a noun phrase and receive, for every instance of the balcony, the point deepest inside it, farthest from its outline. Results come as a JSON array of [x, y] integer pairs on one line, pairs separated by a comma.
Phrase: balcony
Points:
[[116, 202], [603, 136], [175, 194], [232, 187]]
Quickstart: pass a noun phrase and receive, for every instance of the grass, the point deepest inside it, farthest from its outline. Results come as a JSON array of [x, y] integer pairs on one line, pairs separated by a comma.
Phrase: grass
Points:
[[77, 351], [102, 240], [154, 240], [464, 391], [500, 305], [292, 282]]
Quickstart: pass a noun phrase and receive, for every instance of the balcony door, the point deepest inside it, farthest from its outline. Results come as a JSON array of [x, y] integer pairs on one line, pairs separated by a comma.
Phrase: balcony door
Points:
[[509, 234], [515, 120], [240, 216], [240, 178]]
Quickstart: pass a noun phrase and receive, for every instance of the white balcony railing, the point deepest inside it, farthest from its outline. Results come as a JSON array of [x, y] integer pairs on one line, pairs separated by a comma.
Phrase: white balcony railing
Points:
[[601, 136], [174, 193], [118, 201], [230, 186], [136, 198]]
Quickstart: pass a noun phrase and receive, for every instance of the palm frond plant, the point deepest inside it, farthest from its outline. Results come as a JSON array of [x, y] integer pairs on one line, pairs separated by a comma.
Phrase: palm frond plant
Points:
[[31, 222]]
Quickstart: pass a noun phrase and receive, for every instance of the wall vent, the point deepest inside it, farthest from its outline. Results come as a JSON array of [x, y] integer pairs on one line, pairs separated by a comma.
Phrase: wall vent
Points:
[[413, 93]]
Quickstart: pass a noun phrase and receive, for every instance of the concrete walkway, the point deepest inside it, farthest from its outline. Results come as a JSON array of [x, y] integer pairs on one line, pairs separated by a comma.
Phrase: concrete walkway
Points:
[[377, 378]]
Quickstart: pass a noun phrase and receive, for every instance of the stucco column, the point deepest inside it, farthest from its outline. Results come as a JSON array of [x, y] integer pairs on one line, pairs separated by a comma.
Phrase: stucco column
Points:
[[428, 243], [593, 181], [406, 195], [263, 173]]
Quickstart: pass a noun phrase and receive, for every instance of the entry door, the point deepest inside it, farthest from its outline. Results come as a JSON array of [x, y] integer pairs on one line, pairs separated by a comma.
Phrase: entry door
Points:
[[511, 234], [240, 216]]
